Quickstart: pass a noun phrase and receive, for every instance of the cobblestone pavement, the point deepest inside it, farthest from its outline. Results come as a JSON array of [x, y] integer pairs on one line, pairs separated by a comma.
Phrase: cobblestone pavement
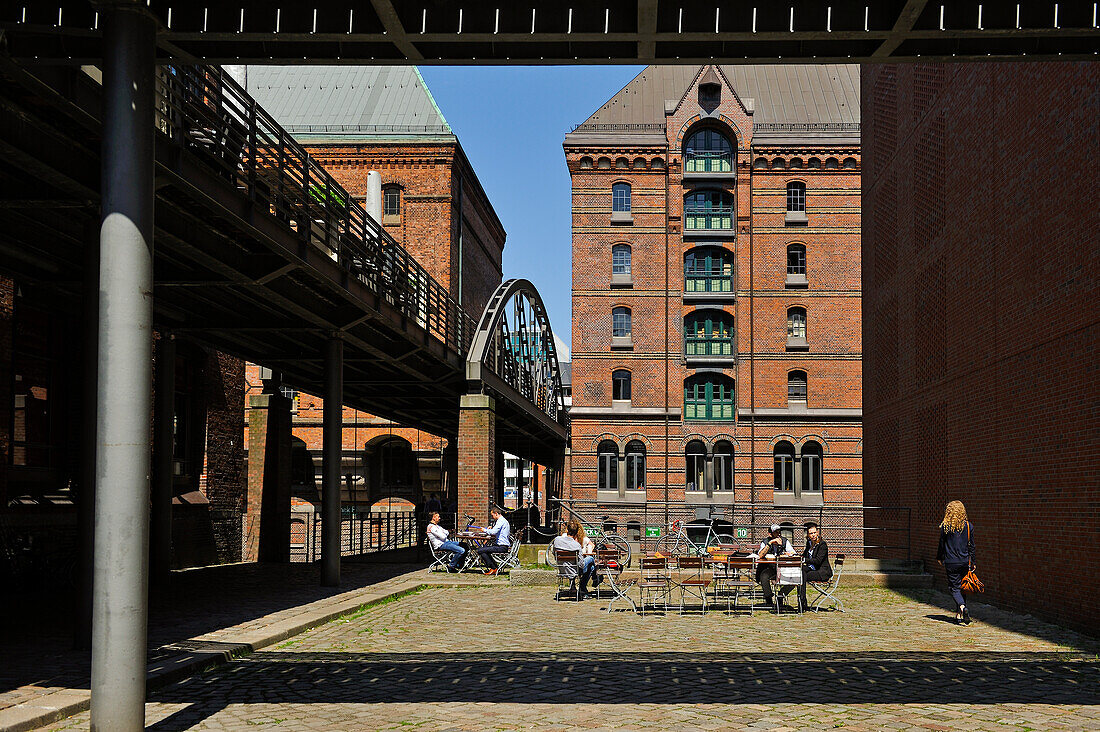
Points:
[[511, 658]]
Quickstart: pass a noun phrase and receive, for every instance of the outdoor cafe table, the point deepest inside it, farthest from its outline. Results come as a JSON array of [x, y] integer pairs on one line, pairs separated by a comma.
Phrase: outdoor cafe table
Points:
[[475, 540]]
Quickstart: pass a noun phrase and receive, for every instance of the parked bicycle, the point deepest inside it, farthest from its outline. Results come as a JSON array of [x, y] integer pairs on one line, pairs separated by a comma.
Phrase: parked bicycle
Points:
[[679, 541], [601, 538]]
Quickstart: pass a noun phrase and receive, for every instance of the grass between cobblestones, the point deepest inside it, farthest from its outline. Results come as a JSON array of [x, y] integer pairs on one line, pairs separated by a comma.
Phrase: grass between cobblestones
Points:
[[503, 658]]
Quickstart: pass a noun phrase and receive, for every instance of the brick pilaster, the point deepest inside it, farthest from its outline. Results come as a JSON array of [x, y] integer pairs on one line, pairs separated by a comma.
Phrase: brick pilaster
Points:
[[477, 449], [267, 500]]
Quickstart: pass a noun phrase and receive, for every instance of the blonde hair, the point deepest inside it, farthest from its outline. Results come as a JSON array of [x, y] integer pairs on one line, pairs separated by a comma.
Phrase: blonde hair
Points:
[[954, 517], [581, 536]]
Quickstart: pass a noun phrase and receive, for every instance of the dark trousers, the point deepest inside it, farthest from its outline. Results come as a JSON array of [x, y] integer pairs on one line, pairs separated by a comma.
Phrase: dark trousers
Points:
[[955, 574], [811, 575], [765, 575], [486, 553]]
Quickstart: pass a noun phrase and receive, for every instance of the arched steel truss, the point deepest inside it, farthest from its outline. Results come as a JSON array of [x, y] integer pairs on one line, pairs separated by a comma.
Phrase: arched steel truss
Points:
[[513, 352]]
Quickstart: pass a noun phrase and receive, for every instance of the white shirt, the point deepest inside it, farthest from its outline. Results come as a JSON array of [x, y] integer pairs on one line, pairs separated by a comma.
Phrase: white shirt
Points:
[[437, 535], [502, 531], [565, 542], [786, 547], [589, 547]]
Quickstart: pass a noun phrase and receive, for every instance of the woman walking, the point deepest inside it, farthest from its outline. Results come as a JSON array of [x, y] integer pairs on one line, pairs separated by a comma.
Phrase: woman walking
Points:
[[956, 553]]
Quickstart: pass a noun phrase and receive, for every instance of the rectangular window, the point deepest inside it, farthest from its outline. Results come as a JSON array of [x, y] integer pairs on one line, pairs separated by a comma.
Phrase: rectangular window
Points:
[[620, 260], [620, 325], [723, 472], [796, 261], [796, 390], [811, 473], [620, 197], [608, 472], [635, 472], [796, 325], [784, 473], [391, 202], [796, 197]]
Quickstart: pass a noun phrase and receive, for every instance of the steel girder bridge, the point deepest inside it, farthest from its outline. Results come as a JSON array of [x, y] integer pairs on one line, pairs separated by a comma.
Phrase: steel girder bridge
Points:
[[555, 32]]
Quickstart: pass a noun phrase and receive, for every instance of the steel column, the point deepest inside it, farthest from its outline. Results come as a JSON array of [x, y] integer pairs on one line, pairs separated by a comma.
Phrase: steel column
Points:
[[124, 391], [164, 412], [332, 448]]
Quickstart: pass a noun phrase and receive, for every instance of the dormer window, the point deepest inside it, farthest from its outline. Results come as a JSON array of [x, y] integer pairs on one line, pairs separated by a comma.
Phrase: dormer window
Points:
[[710, 90]]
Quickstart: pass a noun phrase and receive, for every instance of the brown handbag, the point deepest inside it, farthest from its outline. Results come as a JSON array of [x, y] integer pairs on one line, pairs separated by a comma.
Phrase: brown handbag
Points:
[[971, 583]]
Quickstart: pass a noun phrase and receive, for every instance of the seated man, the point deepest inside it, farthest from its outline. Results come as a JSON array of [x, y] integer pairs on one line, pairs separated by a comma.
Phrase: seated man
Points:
[[501, 531], [776, 546], [815, 562], [438, 537], [569, 541]]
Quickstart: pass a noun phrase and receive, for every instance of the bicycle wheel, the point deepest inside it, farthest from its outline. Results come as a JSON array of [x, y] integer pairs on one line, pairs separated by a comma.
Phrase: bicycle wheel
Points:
[[726, 539], [614, 541], [672, 545]]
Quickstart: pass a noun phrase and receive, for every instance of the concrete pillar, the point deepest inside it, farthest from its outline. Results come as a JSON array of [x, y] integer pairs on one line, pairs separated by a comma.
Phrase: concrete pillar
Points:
[[331, 452], [123, 395], [85, 505], [477, 465], [164, 411], [374, 195], [267, 499]]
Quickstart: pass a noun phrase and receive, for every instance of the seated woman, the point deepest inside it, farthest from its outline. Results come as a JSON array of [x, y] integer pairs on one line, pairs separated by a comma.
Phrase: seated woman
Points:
[[815, 562], [588, 552], [569, 541]]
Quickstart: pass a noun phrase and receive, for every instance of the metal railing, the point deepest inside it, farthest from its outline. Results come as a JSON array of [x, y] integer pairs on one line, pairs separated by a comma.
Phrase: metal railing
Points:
[[205, 111], [708, 161], [619, 127], [716, 217], [708, 345], [849, 528], [359, 534], [716, 280]]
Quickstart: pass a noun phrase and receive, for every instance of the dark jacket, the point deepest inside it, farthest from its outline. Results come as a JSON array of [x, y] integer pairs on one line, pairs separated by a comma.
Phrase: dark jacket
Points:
[[957, 547], [817, 557]]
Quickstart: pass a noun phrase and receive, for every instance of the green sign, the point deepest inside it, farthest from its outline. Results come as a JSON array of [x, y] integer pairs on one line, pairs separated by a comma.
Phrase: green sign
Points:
[[590, 530], [651, 531], [742, 533]]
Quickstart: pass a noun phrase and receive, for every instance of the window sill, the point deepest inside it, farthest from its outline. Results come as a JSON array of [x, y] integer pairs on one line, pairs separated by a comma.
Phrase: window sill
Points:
[[690, 175], [726, 361], [784, 498], [621, 281], [620, 405], [709, 233], [796, 217], [621, 218], [722, 498], [696, 295], [391, 219], [797, 344], [616, 497], [797, 281], [622, 343]]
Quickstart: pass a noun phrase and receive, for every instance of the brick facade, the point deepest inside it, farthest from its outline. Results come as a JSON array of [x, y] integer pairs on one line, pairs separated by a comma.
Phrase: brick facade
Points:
[[981, 322], [755, 300]]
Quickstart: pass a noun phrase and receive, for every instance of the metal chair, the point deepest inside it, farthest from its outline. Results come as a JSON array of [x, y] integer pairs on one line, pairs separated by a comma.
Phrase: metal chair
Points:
[[691, 581], [569, 571], [511, 559], [825, 590], [788, 573], [655, 581], [609, 566], [739, 581], [440, 559]]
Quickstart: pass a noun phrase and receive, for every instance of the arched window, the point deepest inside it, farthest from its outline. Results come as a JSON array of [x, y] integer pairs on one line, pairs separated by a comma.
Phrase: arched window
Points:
[[620, 385], [586, 162], [709, 396], [604, 163], [796, 325], [796, 260], [783, 457], [622, 163], [812, 468], [850, 164], [397, 464], [723, 465], [708, 210], [633, 530], [657, 163], [620, 197], [815, 162], [620, 260], [620, 322], [708, 151], [391, 202], [708, 269], [639, 163], [708, 333], [795, 163], [760, 163], [610, 526], [778, 163], [796, 387], [635, 465], [796, 196], [695, 462], [832, 164], [607, 469]]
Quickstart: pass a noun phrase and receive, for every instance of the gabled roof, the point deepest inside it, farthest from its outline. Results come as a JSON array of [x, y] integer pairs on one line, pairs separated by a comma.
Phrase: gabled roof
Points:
[[373, 100], [783, 94]]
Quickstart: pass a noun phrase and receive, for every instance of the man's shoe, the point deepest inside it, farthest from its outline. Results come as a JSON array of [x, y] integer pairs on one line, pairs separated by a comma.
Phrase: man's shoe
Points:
[[490, 572], [966, 616]]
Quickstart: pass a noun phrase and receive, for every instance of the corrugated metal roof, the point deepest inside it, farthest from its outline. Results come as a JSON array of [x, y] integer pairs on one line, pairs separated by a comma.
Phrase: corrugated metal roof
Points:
[[347, 99], [783, 94]]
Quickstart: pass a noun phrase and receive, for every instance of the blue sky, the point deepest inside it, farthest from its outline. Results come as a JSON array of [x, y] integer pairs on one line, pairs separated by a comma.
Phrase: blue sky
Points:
[[511, 122]]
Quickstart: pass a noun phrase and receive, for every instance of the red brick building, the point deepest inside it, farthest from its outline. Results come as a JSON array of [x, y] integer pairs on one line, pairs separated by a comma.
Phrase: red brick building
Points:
[[716, 294], [354, 120], [981, 322]]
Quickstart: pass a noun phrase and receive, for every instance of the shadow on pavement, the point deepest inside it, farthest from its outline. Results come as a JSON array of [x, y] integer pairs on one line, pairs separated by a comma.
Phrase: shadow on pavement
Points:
[[625, 678]]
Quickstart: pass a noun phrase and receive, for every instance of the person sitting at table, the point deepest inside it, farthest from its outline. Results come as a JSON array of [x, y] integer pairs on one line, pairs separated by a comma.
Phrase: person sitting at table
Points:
[[776, 545], [501, 532], [815, 563], [568, 541], [588, 551], [440, 540]]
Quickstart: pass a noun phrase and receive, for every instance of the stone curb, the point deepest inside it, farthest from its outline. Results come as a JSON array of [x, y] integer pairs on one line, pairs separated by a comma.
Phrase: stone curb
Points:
[[65, 703]]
